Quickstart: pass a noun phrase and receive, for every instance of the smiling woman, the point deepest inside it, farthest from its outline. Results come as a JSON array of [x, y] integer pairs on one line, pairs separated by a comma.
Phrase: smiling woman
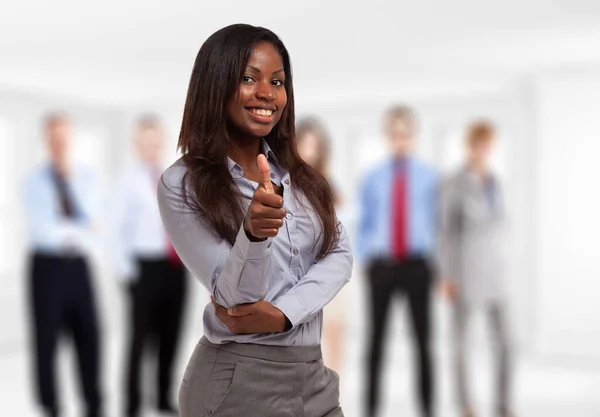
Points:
[[257, 226], [261, 98]]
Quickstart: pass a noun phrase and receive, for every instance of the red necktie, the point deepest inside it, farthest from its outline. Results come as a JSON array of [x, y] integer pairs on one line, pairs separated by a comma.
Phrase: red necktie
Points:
[[399, 213], [172, 254]]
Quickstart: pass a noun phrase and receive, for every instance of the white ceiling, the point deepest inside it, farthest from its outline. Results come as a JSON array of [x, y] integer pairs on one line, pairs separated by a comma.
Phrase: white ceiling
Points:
[[142, 51]]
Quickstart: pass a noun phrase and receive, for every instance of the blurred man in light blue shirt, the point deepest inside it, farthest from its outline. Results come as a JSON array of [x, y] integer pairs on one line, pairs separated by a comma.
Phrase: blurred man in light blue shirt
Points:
[[148, 266], [396, 234], [61, 203]]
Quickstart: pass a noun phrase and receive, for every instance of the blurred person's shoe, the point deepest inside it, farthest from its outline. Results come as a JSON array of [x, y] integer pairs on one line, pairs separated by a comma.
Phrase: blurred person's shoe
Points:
[[49, 412], [469, 413], [167, 410], [96, 412]]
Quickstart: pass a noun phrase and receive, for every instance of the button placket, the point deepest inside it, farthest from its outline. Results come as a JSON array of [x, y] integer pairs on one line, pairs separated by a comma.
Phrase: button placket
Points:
[[286, 180]]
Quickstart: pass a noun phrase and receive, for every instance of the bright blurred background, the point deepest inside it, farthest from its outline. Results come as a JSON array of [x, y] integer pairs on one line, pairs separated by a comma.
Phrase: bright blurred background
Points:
[[531, 66]]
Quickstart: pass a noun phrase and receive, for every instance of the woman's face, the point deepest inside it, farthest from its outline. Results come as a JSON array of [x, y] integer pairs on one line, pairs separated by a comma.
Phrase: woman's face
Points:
[[309, 148], [261, 97], [480, 151], [400, 134]]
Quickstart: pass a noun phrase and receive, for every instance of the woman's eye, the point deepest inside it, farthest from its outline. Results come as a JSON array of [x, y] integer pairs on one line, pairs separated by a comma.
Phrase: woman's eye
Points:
[[247, 79], [277, 83]]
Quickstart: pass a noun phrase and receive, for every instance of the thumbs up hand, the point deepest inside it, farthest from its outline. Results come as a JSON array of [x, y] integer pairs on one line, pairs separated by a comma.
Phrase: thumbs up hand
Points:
[[266, 212]]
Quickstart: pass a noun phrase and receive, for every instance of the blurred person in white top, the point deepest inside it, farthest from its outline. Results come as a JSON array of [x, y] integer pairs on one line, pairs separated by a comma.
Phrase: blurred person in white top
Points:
[[314, 144], [148, 267]]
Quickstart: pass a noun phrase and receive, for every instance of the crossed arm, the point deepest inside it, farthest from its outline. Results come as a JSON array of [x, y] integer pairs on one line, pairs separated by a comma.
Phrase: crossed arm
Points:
[[301, 303]]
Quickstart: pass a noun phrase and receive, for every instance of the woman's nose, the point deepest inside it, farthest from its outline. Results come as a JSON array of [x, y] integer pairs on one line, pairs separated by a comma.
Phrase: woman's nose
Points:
[[265, 91]]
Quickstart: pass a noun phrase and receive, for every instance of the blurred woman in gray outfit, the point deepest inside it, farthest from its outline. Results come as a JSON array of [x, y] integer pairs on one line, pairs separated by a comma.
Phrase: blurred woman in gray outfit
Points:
[[472, 261]]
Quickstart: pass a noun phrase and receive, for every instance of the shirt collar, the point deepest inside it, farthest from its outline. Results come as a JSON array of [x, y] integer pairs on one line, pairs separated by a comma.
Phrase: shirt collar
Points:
[[238, 172], [473, 176], [266, 149], [147, 169], [400, 163], [53, 173]]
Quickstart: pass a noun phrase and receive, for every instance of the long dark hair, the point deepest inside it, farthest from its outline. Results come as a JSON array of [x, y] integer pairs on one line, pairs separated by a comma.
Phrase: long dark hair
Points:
[[205, 142]]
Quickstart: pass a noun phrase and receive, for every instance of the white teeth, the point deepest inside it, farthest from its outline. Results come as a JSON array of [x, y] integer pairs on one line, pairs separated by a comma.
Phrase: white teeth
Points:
[[262, 112]]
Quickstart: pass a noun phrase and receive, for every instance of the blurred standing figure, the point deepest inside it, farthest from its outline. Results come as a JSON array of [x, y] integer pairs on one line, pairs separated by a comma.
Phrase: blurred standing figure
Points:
[[314, 148], [472, 260], [61, 203], [396, 242], [149, 268]]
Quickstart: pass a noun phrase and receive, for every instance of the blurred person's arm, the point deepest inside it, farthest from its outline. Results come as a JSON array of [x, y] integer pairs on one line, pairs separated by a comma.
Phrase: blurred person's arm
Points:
[[434, 218], [365, 218], [232, 274], [449, 237], [47, 228], [121, 232], [508, 250], [94, 219], [323, 280]]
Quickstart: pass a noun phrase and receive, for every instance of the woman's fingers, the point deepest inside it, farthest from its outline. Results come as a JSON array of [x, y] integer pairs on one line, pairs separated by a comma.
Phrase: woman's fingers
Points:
[[265, 214], [265, 174]]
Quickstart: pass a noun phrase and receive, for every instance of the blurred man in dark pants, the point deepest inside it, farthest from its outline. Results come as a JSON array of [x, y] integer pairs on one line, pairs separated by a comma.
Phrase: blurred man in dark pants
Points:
[[61, 202], [396, 243], [149, 267]]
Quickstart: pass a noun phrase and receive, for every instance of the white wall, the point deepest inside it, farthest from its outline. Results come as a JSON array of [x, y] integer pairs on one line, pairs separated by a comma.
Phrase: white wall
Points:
[[568, 203]]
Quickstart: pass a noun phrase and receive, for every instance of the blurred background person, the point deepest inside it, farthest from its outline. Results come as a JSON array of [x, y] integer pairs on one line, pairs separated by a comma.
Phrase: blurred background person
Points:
[[472, 262], [314, 146], [61, 203], [395, 242], [149, 269]]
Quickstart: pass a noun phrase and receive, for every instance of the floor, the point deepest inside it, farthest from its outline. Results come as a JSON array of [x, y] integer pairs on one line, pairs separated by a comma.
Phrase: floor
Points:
[[545, 387]]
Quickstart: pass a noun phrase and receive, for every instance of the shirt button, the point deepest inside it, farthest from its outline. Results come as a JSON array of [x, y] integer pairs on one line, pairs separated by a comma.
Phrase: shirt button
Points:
[[296, 251], [288, 216], [287, 182], [272, 176]]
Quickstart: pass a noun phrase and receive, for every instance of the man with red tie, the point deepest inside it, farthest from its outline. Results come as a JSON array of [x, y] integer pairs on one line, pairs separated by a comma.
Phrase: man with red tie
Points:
[[149, 268], [396, 244]]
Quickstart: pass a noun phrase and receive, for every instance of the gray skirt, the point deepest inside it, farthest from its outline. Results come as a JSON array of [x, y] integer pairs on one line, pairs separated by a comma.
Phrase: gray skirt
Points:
[[249, 380]]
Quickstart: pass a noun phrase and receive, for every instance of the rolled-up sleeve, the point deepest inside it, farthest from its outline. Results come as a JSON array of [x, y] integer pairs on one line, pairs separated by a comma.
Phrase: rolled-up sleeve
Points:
[[235, 274], [320, 285]]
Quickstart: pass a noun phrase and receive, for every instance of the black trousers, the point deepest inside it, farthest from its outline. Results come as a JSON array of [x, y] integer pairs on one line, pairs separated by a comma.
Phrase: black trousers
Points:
[[62, 300], [389, 278], [156, 306]]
